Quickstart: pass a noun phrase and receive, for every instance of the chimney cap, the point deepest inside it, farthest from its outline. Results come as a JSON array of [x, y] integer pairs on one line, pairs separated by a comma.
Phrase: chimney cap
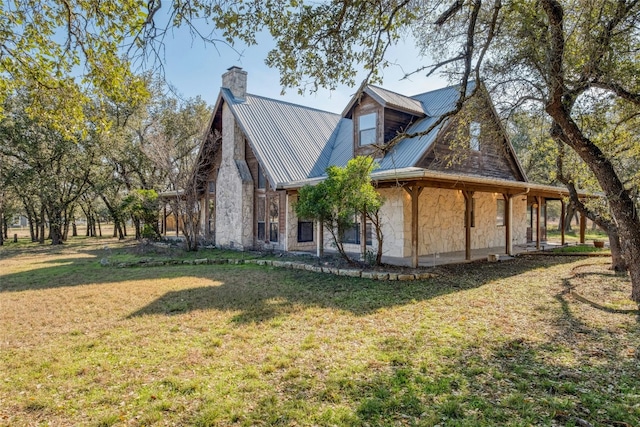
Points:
[[234, 67]]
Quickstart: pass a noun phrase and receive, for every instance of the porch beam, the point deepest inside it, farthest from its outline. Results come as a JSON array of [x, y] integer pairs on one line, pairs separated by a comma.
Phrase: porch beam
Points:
[[468, 199]]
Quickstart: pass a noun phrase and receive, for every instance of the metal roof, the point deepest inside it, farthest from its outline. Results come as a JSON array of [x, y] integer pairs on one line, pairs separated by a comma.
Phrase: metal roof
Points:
[[289, 140], [394, 100], [295, 143]]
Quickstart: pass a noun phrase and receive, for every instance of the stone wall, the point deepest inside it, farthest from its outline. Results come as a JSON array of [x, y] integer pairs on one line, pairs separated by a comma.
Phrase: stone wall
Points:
[[292, 243], [441, 221], [442, 228], [234, 189]]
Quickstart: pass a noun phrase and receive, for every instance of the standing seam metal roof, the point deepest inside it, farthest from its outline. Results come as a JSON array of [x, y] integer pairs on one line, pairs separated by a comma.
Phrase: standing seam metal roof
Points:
[[288, 139], [294, 143]]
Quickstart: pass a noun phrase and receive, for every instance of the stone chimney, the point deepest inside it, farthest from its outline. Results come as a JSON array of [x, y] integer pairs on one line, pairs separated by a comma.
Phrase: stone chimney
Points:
[[235, 79]]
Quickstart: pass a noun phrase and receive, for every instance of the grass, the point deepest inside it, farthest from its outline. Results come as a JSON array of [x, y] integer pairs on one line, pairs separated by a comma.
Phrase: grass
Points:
[[217, 345], [581, 249]]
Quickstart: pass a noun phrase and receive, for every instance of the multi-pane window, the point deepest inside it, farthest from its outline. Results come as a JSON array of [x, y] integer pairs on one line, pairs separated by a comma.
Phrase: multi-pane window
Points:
[[274, 216], [260, 217], [500, 212], [212, 186], [262, 182], [367, 128], [352, 234], [305, 231], [474, 136]]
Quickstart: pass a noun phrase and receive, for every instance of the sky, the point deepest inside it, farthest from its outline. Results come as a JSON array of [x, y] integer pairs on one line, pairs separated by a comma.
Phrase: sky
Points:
[[196, 69]]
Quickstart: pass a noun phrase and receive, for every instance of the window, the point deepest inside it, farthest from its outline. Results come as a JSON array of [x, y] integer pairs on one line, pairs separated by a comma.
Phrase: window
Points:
[[260, 217], [274, 217], [367, 128], [473, 214], [500, 212], [262, 182], [212, 186], [305, 231], [352, 234], [474, 136]]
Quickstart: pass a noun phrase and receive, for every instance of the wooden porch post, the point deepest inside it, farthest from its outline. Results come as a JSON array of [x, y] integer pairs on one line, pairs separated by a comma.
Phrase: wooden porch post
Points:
[[563, 212], [468, 199], [320, 240], [538, 223], [363, 236], [583, 226], [164, 219], [508, 207], [205, 220]]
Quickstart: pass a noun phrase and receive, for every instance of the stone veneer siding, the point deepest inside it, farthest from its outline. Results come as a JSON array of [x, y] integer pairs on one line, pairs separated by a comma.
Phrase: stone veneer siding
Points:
[[234, 189], [441, 222]]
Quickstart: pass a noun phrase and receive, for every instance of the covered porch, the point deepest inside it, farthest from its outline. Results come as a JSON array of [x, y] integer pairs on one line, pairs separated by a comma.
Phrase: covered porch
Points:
[[535, 195]]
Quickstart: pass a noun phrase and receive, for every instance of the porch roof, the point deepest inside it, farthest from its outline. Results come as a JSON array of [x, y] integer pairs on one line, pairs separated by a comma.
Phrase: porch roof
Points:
[[427, 178]]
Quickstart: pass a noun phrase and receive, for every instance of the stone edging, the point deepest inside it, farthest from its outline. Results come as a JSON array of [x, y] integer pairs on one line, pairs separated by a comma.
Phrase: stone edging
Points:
[[347, 272]]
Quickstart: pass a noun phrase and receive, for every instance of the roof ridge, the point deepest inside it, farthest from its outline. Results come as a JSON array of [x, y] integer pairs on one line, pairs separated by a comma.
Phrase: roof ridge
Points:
[[279, 101], [457, 85], [390, 91]]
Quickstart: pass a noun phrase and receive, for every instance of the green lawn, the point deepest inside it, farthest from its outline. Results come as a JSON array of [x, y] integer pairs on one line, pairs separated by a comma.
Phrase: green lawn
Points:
[[216, 345]]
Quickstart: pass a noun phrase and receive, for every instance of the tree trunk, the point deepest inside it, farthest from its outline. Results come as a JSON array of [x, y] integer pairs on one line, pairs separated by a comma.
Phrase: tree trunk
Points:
[[74, 229], [42, 226], [618, 263], [55, 226], [571, 211], [558, 107], [99, 226]]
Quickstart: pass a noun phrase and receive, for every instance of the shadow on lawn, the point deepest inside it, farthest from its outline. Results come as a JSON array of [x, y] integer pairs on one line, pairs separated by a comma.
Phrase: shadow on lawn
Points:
[[261, 294], [578, 375]]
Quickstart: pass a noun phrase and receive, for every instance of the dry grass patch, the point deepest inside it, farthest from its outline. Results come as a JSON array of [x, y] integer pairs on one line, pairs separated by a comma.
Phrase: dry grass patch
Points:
[[483, 344]]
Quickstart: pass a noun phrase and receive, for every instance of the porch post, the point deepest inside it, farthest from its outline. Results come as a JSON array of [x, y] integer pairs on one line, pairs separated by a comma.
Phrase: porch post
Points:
[[468, 199], [363, 236], [508, 208], [538, 223], [205, 220], [164, 219], [583, 226], [563, 212], [320, 239]]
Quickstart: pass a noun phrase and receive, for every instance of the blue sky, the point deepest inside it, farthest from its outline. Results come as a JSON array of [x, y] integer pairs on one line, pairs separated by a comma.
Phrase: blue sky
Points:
[[196, 69]]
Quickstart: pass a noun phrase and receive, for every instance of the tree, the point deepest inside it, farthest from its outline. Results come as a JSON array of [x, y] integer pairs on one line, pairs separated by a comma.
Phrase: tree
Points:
[[45, 164], [49, 48], [143, 207], [345, 193]]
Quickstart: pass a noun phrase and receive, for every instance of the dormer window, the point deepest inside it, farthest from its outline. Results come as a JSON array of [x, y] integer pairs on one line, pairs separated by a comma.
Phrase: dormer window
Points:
[[367, 128]]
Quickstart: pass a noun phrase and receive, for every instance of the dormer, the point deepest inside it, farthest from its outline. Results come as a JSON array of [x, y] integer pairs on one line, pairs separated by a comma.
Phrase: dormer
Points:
[[378, 115]]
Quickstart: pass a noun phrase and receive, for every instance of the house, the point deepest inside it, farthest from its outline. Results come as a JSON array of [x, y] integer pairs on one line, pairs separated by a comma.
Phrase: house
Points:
[[457, 187]]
